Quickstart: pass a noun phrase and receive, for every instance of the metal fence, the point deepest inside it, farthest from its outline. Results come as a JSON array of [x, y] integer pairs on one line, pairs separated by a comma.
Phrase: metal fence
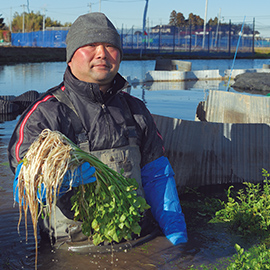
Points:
[[161, 39], [54, 38]]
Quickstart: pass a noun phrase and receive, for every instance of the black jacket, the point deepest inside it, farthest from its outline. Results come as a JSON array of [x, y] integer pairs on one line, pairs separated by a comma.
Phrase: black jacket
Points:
[[102, 116]]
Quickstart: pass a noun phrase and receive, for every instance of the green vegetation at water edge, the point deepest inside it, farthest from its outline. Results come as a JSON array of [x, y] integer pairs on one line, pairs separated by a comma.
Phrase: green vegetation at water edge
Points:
[[247, 212]]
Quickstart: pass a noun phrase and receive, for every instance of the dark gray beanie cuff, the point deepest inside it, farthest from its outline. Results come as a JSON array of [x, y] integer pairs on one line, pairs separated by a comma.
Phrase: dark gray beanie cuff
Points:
[[91, 28]]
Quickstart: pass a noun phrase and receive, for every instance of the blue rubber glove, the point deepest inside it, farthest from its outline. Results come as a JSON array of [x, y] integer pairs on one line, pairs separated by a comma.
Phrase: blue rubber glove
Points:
[[82, 175], [15, 183], [161, 194]]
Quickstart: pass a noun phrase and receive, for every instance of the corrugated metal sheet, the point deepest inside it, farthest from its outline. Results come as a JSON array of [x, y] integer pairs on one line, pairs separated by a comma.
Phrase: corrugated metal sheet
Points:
[[227, 107], [203, 153]]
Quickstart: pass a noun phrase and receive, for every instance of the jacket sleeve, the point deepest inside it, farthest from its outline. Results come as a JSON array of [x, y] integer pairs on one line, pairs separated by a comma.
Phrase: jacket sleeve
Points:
[[46, 112], [161, 194]]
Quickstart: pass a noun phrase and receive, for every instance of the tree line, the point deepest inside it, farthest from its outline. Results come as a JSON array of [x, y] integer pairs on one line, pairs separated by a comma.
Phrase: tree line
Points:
[[30, 22], [177, 19]]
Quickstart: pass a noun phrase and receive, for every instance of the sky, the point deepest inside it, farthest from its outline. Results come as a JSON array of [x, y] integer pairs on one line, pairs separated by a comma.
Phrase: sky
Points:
[[129, 13]]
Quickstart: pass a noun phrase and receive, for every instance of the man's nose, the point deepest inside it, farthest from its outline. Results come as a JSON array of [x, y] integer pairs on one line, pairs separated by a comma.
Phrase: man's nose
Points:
[[101, 51]]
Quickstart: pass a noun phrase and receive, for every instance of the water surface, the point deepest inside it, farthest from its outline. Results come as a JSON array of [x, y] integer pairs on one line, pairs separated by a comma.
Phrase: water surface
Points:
[[172, 99], [175, 99]]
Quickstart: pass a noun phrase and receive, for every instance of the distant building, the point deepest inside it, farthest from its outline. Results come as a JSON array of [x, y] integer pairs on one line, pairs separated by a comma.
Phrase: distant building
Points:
[[164, 29], [57, 28]]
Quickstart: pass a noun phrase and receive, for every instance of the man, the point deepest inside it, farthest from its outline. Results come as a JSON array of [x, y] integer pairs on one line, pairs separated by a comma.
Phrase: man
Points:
[[92, 109]]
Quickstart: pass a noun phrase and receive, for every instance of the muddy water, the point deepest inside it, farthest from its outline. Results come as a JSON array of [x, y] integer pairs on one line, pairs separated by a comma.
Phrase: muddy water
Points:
[[207, 243]]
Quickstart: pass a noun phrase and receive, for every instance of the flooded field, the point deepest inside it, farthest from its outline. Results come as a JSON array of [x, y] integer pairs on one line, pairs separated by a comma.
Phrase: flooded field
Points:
[[208, 243]]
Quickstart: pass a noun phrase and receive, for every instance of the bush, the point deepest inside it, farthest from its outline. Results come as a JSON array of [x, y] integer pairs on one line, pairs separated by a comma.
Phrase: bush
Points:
[[249, 211]]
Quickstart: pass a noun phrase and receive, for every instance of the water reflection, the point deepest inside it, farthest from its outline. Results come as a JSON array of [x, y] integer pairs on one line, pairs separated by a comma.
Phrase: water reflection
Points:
[[186, 85], [19, 78]]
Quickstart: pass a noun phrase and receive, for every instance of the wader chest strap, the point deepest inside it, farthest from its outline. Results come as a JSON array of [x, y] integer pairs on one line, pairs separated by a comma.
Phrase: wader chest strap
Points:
[[132, 133], [80, 132]]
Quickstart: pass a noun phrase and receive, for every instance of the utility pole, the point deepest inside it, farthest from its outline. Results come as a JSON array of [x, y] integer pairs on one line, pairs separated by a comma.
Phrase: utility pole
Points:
[[144, 23], [144, 20], [43, 25], [204, 26], [28, 6], [10, 25], [90, 7], [217, 28], [253, 36], [23, 17]]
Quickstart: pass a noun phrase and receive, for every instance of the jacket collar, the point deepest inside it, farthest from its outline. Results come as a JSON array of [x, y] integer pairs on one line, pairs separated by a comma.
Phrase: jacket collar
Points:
[[91, 90]]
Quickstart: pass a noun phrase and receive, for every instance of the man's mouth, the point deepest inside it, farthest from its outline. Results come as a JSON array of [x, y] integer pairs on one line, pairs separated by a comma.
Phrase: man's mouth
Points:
[[102, 66]]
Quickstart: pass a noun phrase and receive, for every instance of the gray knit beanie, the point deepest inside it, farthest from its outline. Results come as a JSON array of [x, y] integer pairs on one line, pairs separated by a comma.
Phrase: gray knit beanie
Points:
[[91, 28]]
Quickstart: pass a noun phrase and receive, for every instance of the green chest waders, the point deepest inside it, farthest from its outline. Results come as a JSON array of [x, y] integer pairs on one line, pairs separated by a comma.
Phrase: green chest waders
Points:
[[63, 229]]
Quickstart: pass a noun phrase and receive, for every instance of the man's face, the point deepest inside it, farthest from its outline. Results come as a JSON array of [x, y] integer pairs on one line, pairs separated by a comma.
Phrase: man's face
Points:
[[96, 63]]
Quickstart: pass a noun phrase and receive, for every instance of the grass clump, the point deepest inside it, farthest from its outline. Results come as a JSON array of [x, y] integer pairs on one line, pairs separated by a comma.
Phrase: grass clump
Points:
[[248, 212], [256, 258]]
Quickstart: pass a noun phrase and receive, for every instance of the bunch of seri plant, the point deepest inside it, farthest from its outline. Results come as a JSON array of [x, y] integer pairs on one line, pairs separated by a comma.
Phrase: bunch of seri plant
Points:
[[248, 212], [109, 207]]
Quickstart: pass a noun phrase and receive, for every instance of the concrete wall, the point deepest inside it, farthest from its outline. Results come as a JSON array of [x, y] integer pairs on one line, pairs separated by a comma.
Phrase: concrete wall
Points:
[[168, 64], [212, 74], [164, 76]]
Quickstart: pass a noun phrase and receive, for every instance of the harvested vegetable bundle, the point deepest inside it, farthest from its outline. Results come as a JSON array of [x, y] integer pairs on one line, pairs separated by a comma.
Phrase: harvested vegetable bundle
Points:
[[109, 208]]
